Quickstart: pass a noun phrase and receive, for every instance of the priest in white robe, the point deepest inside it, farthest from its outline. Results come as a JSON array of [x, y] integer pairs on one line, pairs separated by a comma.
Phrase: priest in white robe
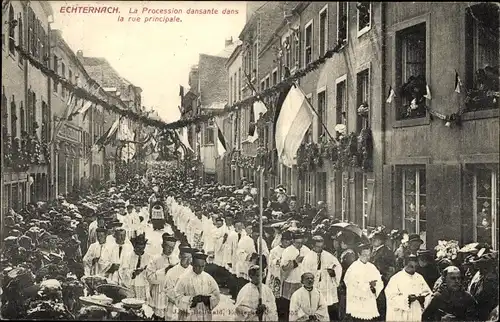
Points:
[[247, 306], [364, 284], [327, 273], [133, 268], [209, 234], [91, 263], [172, 277], [220, 237], [113, 254], [247, 246], [157, 271], [406, 293], [196, 292], [99, 222], [307, 303], [231, 244], [291, 265]]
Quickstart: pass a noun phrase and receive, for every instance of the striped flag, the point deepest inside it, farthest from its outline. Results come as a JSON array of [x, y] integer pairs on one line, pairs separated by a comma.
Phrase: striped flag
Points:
[[391, 95], [458, 83], [221, 142], [293, 122]]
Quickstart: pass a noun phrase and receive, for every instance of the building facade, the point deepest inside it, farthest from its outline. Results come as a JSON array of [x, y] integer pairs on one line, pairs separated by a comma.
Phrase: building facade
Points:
[[25, 104]]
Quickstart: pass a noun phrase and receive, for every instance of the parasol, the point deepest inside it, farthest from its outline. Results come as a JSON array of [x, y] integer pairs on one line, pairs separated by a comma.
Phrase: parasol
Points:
[[116, 292], [469, 248], [343, 226]]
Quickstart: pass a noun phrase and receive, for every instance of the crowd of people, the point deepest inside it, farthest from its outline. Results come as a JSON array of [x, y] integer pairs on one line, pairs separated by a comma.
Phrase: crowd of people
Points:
[[211, 245]]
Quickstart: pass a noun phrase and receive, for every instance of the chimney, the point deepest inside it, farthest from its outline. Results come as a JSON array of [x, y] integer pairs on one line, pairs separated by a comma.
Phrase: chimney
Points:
[[229, 41], [79, 54]]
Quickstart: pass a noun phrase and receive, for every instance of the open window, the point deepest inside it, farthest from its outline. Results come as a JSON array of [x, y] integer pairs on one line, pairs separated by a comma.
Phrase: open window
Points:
[[364, 17], [308, 41]]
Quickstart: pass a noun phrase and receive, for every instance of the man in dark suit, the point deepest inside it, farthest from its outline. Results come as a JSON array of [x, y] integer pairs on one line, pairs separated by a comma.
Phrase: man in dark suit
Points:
[[383, 258]]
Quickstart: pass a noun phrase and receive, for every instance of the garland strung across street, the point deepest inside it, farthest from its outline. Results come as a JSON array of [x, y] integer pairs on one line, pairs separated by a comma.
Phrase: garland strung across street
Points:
[[248, 102]]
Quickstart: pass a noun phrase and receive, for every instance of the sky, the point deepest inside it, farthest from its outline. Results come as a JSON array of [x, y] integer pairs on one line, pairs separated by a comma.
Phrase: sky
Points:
[[155, 56]]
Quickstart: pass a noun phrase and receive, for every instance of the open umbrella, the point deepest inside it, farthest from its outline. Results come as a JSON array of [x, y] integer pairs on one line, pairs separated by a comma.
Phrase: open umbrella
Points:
[[469, 248], [343, 226]]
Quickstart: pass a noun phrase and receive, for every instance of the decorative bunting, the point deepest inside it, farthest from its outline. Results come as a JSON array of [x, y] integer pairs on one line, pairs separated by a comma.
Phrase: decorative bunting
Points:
[[458, 83], [391, 95]]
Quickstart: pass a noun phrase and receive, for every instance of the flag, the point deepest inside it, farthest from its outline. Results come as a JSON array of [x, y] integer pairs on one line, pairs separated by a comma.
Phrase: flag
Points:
[[293, 122], [258, 108], [391, 95], [181, 91], [183, 138], [109, 135], [221, 142], [458, 83], [128, 151], [428, 92], [281, 98]]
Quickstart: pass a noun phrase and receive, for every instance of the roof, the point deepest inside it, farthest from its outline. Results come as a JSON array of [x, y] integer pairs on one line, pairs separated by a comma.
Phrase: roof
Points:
[[235, 54], [228, 51]]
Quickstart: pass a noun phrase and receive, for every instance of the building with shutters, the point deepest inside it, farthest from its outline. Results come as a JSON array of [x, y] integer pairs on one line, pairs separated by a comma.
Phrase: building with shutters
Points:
[[26, 101], [441, 180]]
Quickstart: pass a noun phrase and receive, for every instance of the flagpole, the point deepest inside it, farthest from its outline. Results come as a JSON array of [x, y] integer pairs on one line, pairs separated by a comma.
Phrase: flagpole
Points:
[[261, 208]]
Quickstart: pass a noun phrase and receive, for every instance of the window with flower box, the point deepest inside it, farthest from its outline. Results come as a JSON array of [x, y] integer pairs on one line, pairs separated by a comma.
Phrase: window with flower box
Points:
[[323, 30], [482, 56], [208, 137], [12, 31], [486, 204], [321, 113], [411, 68], [308, 41], [342, 9], [414, 200]]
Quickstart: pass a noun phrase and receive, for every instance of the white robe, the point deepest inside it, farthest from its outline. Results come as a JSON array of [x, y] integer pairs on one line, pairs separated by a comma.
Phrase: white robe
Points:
[[140, 283], [323, 282], [246, 247], [196, 231], [168, 291], [230, 247], [304, 304], [274, 270], [190, 285], [92, 233], [361, 302], [111, 256], [95, 251], [290, 254], [219, 245], [248, 299], [400, 286], [208, 235], [157, 277]]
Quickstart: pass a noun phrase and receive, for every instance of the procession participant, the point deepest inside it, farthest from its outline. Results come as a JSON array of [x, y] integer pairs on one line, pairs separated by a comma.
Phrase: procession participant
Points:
[[220, 237], [130, 221], [171, 278], [383, 259], [209, 234], [411, 247], [157, 271], [132, 268], [484, 284], [292, 268], [451, 302], [247, 307], [364, 284], [91, 258], [406, 293], [121, 211], [197, 229], [322, 213], [230, 242], [196, 292], [99, 222], [236, 281], [274, 274], [427, 267], [277, 236], [112, 255], [327, 273], [307, 303], [157, 215]]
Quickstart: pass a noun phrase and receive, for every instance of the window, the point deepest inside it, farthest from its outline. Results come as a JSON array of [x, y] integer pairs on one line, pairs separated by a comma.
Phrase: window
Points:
[[323, 30], [22, 114], [209, 132], [70, 76], [364, 17], [342, 22], [45, 122], [414, 201], [63, 75], [321, 113], [287, 52], [363, 100], [267, 82], [12, 31], [235, 88], [321, 185], [482, 55], [255, 60], [230, 90], [341, 101], [20, 34], [308, 137], [296, 50], [411, 69], [31, 30], [275, 77], [345, 196], [486, 204], [308, 43], [262, 85], [5, 112], [13, 117], [239, 84], [56, 70], [31, 119], [309, 188]]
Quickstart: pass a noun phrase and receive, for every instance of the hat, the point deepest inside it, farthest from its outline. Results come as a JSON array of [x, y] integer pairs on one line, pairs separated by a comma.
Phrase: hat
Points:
[[298, 235], [486, 258], [415, 237], [424, 253], [318, 238], [378, 235], [364, 246], [130, 205], [185, 250], [286, 235], [166, 237], [219, 219], [200, 255], [139, 240], [253, 270], [101, 230]]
